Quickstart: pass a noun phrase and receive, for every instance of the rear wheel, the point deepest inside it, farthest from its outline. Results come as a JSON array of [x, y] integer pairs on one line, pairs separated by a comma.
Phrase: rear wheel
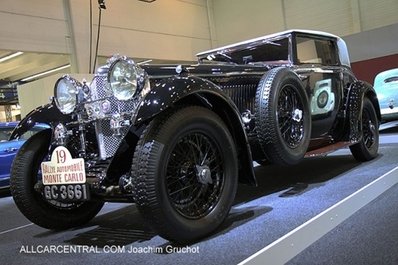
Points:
[[25, 173], [185, 173], [367, 148]]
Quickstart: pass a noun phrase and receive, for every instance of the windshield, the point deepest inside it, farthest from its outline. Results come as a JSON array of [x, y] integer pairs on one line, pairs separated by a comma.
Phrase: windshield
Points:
[[267, 51], [5, 133]]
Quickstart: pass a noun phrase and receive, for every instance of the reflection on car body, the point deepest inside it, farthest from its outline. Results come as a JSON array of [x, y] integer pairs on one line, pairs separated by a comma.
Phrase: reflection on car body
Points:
[[323, 99]]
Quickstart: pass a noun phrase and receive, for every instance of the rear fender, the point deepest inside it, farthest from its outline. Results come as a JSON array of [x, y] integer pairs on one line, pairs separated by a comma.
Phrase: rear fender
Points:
[[358, 91]]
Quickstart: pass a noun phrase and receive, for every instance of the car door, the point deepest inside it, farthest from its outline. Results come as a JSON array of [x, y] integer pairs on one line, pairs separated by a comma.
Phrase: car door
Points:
[[318, 67]]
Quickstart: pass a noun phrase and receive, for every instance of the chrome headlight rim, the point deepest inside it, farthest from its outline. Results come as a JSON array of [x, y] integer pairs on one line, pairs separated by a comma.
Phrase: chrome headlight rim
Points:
[[63, 108], [140, 78]]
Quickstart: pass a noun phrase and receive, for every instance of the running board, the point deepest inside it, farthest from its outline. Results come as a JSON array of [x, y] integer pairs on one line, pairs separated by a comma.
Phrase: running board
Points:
[[327, 149]]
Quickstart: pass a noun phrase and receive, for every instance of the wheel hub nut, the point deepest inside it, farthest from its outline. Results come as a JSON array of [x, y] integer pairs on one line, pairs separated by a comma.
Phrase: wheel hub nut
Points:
[[203, 174], [297, 115]]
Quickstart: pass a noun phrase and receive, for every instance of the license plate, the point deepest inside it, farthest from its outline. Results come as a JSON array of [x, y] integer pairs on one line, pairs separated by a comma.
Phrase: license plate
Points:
[[64, 177], [66, 193]]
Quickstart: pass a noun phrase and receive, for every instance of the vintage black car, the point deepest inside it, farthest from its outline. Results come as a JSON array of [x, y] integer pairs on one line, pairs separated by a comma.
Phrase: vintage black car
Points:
[[177, 139]]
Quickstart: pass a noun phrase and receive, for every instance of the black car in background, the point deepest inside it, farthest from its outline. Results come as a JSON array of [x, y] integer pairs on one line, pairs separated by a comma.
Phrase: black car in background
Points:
[[177, 139]]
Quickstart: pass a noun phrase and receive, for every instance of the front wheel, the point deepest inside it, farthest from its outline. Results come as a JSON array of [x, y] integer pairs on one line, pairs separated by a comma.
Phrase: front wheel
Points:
[[367, 148], [185, 173], [25, 174]]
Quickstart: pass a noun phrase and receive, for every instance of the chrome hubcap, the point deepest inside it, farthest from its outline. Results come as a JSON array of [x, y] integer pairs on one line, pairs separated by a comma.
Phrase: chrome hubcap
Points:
[[203, 174]]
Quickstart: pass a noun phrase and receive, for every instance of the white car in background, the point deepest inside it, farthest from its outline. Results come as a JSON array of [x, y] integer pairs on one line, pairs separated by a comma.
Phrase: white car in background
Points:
[[386, 86]]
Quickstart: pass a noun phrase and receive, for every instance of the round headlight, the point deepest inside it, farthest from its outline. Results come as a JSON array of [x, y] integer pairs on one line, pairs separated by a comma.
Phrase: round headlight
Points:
[[65, 95], [123, 79]]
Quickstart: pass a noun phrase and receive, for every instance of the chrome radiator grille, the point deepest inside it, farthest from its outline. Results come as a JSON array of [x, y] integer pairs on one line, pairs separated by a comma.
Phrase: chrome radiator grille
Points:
[[107, 141], [99, 88]]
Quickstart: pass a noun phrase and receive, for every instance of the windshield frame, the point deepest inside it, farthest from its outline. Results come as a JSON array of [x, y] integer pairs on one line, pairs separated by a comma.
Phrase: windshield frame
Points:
[[226, 52]]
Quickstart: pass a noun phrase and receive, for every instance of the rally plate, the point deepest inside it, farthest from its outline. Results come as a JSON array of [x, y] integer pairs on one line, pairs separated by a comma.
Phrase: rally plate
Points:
[[64, 177]]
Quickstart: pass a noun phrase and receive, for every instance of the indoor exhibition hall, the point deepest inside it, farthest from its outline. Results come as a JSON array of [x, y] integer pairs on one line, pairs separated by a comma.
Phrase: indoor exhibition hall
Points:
[[199, 132]]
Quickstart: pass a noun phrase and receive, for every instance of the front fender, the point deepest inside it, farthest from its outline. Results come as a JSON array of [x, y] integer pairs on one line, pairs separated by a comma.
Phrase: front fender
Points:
[[196, 90], [171, 90], [44, 114]]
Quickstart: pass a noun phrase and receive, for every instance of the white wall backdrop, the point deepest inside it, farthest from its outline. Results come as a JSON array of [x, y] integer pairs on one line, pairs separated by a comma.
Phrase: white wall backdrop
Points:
[[164, 29], [236, 19], [178, 29]]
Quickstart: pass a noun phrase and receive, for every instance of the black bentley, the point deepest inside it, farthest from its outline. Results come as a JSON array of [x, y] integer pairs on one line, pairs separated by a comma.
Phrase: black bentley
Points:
[[177, 139]]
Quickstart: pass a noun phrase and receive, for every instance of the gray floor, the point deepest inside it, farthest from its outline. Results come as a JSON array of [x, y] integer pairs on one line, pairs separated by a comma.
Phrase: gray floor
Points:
[[285, 198], [370, 236]]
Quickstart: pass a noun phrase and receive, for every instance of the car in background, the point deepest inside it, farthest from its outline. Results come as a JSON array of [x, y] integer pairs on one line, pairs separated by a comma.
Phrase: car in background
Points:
[[386, 86], [8, 149]]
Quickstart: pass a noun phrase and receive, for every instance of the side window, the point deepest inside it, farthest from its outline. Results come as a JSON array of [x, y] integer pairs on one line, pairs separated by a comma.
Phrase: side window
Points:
[[5, 133], [316, 51]]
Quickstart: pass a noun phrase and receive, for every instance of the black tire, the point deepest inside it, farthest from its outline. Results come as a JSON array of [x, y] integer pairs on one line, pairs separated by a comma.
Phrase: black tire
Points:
[[167, 159], [24, 175], [283, 117], [368, 147]]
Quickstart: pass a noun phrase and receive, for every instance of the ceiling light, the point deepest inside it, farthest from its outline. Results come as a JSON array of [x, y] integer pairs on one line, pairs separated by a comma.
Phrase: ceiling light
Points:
[[45, 73], [10, 56], [147, 1]]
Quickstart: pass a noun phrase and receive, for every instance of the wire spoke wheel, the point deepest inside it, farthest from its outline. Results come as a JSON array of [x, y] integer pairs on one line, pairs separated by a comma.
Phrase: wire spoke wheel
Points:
[[282, 117], [290, 116], [186, 171], [368, 129], [194, 179]]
